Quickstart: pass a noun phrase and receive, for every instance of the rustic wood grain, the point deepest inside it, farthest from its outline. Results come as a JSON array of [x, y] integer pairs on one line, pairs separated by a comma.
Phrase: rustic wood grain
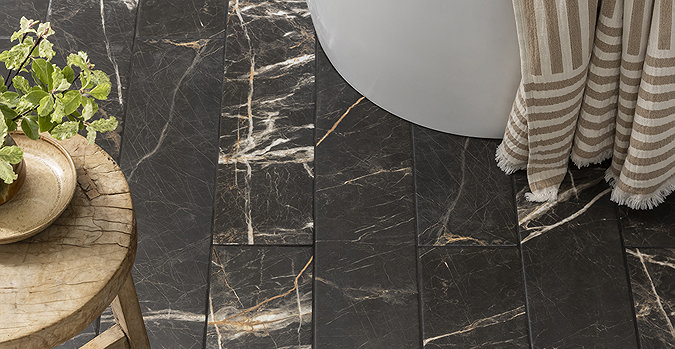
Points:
[[55, 283]]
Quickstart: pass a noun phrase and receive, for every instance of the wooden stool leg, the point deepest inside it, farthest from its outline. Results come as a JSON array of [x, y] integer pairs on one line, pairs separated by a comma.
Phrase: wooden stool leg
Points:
[[127, 313]]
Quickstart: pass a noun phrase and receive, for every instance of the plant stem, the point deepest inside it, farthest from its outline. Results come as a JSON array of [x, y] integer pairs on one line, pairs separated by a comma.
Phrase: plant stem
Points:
[[23, 114], [23, 63]]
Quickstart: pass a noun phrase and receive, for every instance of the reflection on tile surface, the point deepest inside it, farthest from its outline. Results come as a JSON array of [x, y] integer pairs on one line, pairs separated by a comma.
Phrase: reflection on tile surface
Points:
[[105, 31], [169, 159], [12, 11], [463, 198], [473, 297], [260, 297], [265, 172], [649, 228], [575, 278], [652, 274], [181, 18], [365, 284], [365, 296]]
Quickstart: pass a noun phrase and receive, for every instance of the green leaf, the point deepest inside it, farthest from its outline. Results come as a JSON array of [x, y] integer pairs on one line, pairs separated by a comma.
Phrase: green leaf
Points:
[[45, 124], [71, 100], [59, 111], [7, 172], [89, 108], [9, 98], [101, 91], [21, 84], [8, 113], [9, 155], [104, 125], [43, 72], [35, 97], [30, 128], [91, 134], [3, 131], [46, 105], [3, 88], [65, 130], [69, 74], [45, 49], [59, 82], [76, 60], [12, 154], [45, 29]]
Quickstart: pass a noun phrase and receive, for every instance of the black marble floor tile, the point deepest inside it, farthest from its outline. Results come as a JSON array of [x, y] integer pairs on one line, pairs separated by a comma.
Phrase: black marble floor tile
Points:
[[169, 156], [12, 11], [473, 298], [649, 228], [365, 296], [463, 198], [105, 31], [365, 281], [364, 184], [652, 275], [260, 297], [191, 19], [577, 290], [265, 172]]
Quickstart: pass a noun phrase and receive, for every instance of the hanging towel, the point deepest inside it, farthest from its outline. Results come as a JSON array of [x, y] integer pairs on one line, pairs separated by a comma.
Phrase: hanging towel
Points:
[[598, 82]]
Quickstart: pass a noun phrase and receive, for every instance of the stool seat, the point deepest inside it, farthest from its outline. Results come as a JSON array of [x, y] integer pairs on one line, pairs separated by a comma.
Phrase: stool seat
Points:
[[57, 282]]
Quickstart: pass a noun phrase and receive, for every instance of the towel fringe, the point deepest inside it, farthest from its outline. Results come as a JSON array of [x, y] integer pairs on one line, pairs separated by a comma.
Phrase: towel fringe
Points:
[[548, 194], [504, 163], [640, 201]]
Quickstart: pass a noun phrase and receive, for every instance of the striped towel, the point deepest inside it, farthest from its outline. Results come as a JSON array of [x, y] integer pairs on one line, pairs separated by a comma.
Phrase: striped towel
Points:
[[598, 82]]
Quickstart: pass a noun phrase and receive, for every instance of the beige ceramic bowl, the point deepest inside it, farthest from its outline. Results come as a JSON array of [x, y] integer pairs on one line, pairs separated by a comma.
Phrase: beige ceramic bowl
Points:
[[47, 191]]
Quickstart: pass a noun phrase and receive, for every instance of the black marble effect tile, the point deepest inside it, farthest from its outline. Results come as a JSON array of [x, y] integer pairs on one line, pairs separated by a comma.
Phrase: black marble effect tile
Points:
[[260, 297], [463, 198], [364, 182], [12, 11], [191, 19], [652, 275], [169, 156], [473, 298], [577, 289], [365, 296], [649, 228], [105, 31], [265, 173], [365, 284]]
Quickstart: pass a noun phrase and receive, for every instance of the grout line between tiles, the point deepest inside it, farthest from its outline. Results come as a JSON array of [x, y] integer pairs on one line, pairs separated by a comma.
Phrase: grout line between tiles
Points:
[[628, 281], [418, 260], [530, 340], [314, 97]]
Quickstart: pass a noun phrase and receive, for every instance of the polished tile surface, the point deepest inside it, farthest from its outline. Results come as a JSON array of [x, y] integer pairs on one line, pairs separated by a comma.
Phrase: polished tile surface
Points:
[[278, 208]]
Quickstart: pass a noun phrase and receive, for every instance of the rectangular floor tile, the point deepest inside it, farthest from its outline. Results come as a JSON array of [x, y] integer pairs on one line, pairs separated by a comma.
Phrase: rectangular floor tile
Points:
[[577, 291], [365, 296], [105, 31], [463, 198], [260, 297], [652, 276], [365, 287], [649, 228], [473, 297], [169, 155], [265, 171], [182, 18]]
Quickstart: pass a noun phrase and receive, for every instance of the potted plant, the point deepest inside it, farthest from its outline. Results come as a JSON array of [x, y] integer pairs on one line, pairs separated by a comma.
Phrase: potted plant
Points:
[[38, 96]]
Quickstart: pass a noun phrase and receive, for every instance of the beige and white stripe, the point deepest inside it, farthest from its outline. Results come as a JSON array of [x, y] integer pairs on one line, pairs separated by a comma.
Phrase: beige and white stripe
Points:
[[596, 83]]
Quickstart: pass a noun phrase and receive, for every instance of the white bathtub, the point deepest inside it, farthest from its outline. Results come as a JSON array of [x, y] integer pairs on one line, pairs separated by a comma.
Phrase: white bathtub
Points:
[[451, 65]]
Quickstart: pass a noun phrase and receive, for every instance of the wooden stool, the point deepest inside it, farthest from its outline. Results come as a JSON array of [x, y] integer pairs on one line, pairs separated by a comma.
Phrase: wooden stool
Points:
[[59, 281]]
